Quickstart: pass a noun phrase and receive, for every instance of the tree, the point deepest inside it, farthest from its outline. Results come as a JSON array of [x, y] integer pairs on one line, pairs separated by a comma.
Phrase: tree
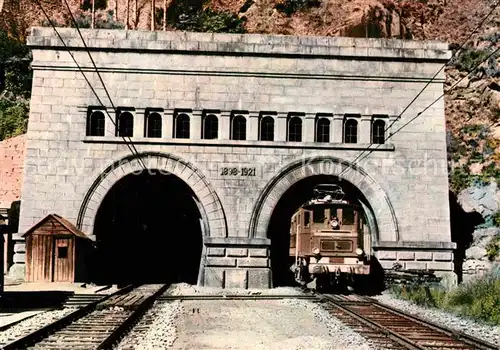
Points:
[[15, 85]]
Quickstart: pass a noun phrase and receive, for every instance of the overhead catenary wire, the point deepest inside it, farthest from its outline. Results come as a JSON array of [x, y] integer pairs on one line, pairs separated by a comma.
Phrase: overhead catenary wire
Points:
[[99, 75], [130, 145], [494, 7], [437, 99]]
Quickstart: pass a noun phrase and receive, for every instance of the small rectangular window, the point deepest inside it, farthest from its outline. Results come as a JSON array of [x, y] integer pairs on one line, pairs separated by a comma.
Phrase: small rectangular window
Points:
[[319, 215], [62, 252], [348, 216], [307, 218]]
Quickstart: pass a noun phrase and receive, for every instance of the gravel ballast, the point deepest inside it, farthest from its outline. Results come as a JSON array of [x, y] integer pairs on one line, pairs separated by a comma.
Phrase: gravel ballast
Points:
[[187, 289], [156, 330], [27, 326], [488, 333], [345, 337]]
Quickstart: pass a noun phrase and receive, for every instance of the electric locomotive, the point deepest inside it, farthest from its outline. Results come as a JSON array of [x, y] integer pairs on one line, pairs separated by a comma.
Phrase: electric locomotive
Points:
[[328, 240]]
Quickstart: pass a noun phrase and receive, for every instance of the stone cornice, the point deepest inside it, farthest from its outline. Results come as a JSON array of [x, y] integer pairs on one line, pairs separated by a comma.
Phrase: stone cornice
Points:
[[240, 44]]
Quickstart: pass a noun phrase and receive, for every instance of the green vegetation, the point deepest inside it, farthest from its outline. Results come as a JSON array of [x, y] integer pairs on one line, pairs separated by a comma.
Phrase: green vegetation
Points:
[[478, 299], [493, 248], [496, 219], [13, 118], [291, 6], [189, 15], [460, 179], [469, 58], [15, 86]]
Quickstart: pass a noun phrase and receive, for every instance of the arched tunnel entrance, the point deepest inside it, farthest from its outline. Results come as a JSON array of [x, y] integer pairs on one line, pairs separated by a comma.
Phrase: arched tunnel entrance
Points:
[[148, 230], [279, 225]]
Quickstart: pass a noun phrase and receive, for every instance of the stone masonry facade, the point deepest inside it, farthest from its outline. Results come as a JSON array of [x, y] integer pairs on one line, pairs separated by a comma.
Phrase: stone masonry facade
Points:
[[240, 119]]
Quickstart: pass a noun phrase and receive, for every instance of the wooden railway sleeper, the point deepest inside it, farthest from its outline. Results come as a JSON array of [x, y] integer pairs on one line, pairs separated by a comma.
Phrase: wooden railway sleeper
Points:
[[405, 342], [470, 340]]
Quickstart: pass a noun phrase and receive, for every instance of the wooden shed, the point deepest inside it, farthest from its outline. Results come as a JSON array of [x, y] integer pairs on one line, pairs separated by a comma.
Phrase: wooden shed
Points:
[[56, 251]]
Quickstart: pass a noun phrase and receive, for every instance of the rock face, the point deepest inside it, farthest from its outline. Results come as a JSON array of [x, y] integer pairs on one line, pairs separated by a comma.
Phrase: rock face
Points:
[[485, 201], [11, 170]]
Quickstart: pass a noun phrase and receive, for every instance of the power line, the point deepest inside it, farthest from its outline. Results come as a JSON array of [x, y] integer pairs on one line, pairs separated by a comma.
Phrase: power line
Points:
[[99, 75], [434, 77], [437, 99], [84, 76]]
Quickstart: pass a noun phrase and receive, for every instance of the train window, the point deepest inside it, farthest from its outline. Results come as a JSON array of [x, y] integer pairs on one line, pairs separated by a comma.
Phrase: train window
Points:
[[307, 218], [348, 216], [319, 215]]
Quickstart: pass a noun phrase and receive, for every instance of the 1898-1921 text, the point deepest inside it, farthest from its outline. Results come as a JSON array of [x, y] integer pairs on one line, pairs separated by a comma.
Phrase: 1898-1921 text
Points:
[[237, 171]]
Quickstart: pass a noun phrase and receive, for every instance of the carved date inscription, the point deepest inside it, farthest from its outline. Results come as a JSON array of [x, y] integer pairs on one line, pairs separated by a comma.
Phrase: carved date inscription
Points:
[[237, 171]]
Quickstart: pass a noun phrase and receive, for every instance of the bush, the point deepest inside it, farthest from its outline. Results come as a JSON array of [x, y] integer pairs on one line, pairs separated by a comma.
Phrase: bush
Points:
[[189, 15], [291, 6], [493, 248], [460, 179], [478, 299], [469, 58], [13, 118]]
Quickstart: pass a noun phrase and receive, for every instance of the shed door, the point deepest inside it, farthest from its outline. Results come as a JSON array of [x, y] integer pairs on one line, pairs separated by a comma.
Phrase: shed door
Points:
[[63, 260]]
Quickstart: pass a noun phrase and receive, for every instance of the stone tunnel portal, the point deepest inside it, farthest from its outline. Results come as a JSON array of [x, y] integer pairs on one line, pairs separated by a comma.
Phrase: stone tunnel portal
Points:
[[279, 225], [148, 230]]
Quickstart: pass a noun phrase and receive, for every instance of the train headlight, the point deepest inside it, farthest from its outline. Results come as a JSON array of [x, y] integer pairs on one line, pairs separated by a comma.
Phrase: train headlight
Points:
[[359, 251], [315, 251]]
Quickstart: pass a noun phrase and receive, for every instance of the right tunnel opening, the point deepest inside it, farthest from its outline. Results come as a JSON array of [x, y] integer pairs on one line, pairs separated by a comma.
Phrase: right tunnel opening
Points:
[[280, 222]]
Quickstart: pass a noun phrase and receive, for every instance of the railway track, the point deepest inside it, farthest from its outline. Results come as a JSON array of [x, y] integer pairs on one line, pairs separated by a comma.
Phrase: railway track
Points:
[[393, 329], [98, 325]]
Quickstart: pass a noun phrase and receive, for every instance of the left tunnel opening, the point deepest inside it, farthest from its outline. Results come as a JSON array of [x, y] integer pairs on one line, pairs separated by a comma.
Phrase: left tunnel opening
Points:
[[148, 230]]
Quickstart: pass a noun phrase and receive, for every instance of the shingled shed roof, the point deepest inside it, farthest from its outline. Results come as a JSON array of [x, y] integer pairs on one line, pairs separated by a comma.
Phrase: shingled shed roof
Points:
[[65, 223]]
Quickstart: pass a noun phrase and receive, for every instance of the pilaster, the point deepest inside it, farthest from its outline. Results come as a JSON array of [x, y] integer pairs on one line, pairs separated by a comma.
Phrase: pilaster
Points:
[[195, 125], [224, 125], [253, 126], [336, 131], [280, 134], [139, 123], [364, 130], [167, 124], [308, 133]]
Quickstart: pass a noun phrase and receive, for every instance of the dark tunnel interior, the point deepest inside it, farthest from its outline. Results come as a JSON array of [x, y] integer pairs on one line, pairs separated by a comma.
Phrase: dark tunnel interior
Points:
[[147, 231], [279, 226], [462, 228]]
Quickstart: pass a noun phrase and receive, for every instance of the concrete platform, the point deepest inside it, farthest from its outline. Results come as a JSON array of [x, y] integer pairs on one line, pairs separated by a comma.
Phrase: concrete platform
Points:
[[77, 288], [10, 318]]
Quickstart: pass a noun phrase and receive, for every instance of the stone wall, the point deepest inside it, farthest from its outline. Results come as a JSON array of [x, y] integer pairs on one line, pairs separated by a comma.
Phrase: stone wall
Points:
[[11, 169], [403, 180]]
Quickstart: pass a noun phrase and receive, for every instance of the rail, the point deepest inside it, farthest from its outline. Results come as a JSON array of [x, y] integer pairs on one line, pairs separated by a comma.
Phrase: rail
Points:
[[46, 330], [406, 330]]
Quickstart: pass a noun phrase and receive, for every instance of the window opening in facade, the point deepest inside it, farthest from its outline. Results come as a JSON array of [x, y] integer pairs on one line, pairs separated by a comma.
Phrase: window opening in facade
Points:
[[182, 126], [238, 128], [378, 132], [96, 124], [351, 131], [154, 125], [267, 129], [323, 130], [62, 252], [295, 129], [210, 127], [126, 124]]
